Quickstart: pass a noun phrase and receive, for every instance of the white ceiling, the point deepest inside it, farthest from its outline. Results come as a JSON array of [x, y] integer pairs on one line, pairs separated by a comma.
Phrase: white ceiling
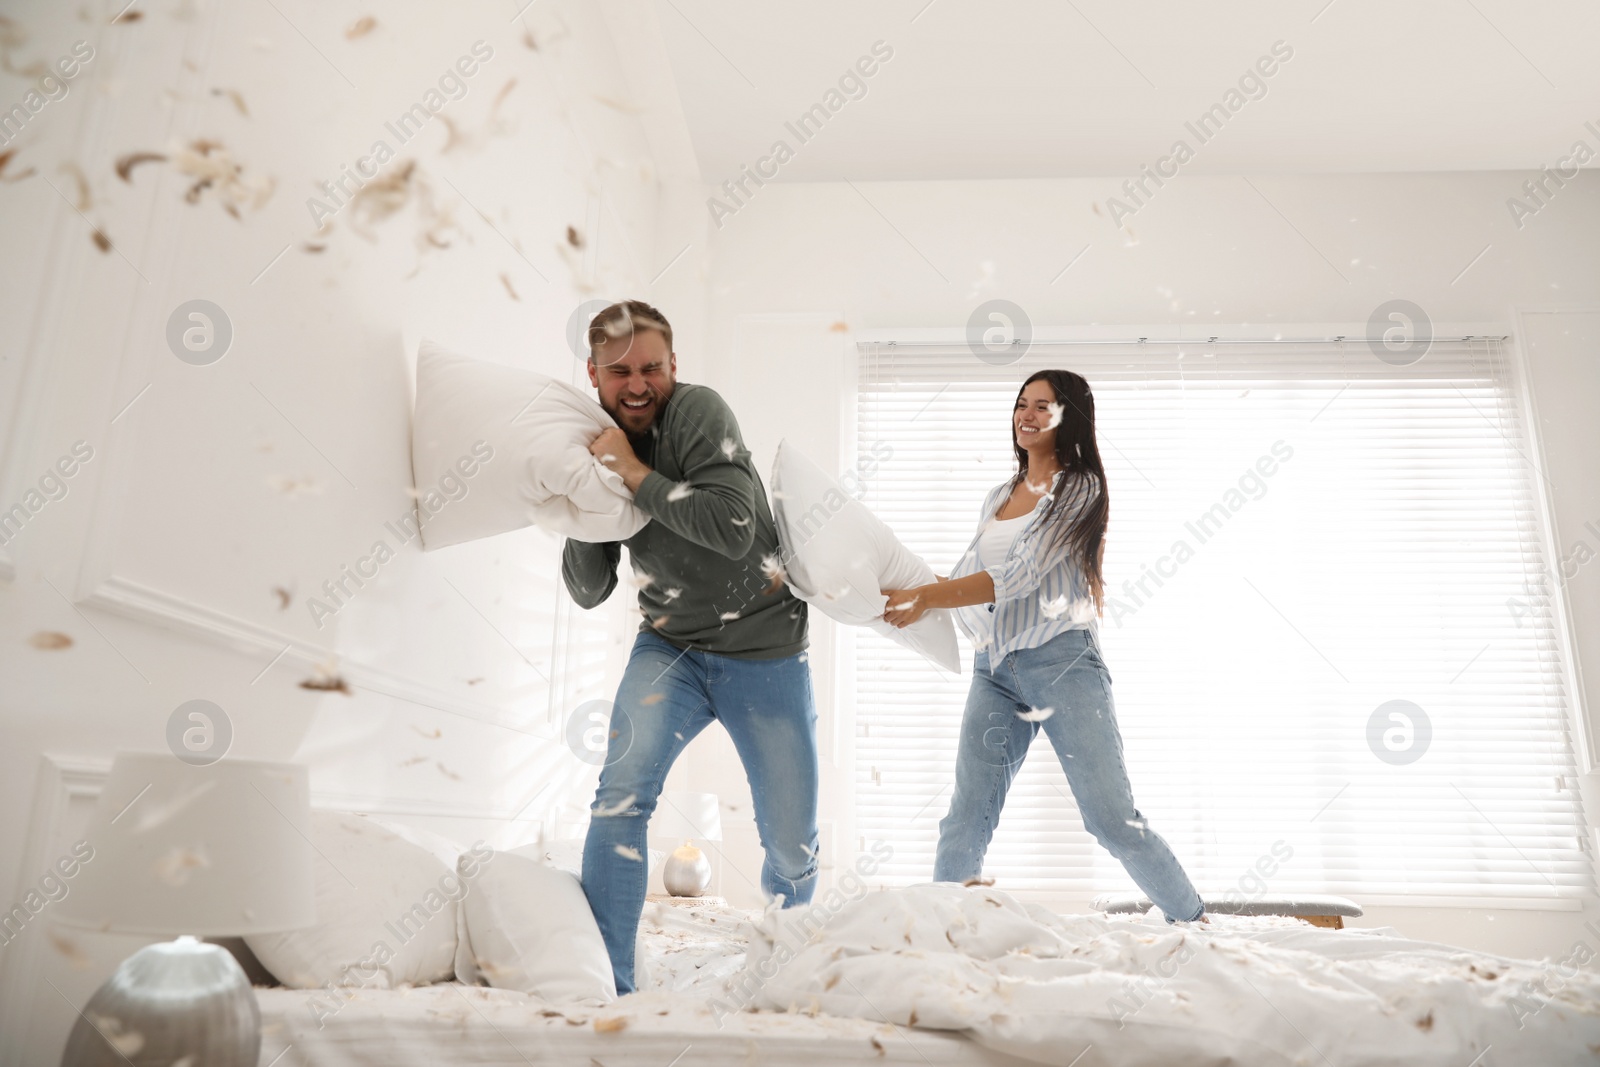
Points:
[[1061, 88]]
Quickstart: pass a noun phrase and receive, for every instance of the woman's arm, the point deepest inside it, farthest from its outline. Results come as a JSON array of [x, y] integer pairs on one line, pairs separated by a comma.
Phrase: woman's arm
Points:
[[906, 606]]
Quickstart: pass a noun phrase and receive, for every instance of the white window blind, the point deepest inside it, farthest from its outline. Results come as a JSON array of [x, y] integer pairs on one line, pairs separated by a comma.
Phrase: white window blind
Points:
[[1395, 555]]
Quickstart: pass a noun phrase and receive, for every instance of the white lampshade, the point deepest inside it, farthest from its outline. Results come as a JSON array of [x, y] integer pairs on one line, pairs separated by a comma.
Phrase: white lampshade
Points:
[[213, 851], [683, 816]]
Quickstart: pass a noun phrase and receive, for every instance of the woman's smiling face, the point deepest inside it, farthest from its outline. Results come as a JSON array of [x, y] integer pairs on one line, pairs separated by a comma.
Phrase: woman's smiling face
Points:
[[1035, 418]]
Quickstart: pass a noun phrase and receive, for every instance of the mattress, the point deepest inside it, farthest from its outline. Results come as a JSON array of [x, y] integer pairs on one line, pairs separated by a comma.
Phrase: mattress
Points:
[[471, 1025]]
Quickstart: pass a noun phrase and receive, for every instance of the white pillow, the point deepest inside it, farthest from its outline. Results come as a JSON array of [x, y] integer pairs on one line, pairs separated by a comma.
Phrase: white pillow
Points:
[[386, 912], [564, 855], [528, 927], [496, 448], [838, 556]]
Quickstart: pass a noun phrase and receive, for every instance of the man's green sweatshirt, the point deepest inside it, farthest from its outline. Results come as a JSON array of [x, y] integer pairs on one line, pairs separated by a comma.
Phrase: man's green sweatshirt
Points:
[[705, 560]]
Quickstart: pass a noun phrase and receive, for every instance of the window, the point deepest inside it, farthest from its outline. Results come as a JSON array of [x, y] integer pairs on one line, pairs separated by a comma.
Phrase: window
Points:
[[1300, 534]]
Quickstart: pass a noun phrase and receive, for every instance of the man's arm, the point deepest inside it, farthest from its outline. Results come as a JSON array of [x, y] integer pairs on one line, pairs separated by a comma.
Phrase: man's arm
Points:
[[715, 507], [590, 570]]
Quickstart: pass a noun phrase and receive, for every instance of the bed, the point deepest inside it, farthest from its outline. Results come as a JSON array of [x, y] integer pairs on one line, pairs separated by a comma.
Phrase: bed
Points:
[[950, 975], [690, 958]]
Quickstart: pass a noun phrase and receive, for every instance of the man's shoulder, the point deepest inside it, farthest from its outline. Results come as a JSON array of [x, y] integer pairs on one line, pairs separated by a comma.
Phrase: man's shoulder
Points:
[[693, 396], [702, 405]]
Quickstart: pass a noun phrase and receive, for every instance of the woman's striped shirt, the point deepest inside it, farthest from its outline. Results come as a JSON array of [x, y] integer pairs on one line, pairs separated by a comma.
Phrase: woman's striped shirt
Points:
[[1039, 590]]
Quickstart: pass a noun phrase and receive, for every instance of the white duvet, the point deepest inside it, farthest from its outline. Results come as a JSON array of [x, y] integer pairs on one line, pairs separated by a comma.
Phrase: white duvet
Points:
[[1263, 991]]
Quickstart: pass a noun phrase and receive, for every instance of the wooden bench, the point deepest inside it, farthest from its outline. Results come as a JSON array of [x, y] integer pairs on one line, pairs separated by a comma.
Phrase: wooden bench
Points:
[[1316, 909]]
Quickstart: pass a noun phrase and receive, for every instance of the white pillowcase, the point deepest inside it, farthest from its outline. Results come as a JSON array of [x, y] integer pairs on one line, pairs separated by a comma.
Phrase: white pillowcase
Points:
[[838, 556], [528, 927], [386, 912], [497, 448]]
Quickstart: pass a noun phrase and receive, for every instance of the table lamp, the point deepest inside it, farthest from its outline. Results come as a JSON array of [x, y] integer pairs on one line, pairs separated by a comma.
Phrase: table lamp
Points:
[[218, 850], [682, 817]]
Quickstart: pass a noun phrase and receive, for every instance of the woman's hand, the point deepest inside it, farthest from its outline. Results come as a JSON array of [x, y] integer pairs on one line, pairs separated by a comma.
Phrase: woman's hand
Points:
[[905, 606]]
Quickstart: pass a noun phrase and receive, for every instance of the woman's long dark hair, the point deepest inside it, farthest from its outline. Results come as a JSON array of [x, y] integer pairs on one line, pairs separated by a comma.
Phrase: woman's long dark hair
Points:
[[1083, 485]]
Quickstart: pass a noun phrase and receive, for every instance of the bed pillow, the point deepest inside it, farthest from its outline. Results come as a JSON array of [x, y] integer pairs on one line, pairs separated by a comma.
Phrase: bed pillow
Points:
[[838, 556], [386, 912], [527, 926], [497, 448]]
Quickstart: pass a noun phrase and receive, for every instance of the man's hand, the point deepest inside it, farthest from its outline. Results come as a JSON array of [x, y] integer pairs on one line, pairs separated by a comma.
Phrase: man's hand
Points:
[[905, 606], [612, 449]]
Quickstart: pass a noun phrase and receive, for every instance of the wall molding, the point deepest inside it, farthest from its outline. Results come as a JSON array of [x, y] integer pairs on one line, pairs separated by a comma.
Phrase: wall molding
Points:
[[64, 256], [156, 235], [141, 603]]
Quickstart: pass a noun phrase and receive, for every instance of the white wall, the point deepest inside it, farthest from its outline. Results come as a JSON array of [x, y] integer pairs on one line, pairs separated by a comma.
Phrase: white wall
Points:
[[210, 486], [829, 260], [213, 486]]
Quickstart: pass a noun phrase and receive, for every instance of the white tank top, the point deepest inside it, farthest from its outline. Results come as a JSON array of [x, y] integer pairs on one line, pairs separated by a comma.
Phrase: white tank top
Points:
[[993, 546]]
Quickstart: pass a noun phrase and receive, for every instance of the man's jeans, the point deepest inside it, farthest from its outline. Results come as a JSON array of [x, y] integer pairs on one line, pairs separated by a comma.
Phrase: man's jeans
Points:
[[1067, 675], [667, 696]]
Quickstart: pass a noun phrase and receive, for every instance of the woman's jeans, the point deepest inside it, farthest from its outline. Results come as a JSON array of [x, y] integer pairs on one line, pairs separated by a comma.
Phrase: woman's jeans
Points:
[[1066, 674], [667, 696]]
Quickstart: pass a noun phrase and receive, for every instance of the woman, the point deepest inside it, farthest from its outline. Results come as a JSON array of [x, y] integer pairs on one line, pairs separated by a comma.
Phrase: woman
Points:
[[1023, 593]]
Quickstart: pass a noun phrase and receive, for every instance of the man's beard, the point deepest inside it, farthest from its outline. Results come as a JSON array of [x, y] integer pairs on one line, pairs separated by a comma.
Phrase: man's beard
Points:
[[641, 438]]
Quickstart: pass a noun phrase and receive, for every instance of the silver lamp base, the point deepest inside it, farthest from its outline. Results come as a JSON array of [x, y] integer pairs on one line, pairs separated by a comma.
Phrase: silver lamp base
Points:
[[687, 872], [179, 1001]]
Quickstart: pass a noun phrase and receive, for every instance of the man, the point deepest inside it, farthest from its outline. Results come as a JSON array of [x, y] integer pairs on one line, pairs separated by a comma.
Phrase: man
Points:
[[722, 637]]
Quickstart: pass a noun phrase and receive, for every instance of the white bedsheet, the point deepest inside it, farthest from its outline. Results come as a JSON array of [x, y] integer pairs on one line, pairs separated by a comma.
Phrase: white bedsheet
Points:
[[1237, 992]]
